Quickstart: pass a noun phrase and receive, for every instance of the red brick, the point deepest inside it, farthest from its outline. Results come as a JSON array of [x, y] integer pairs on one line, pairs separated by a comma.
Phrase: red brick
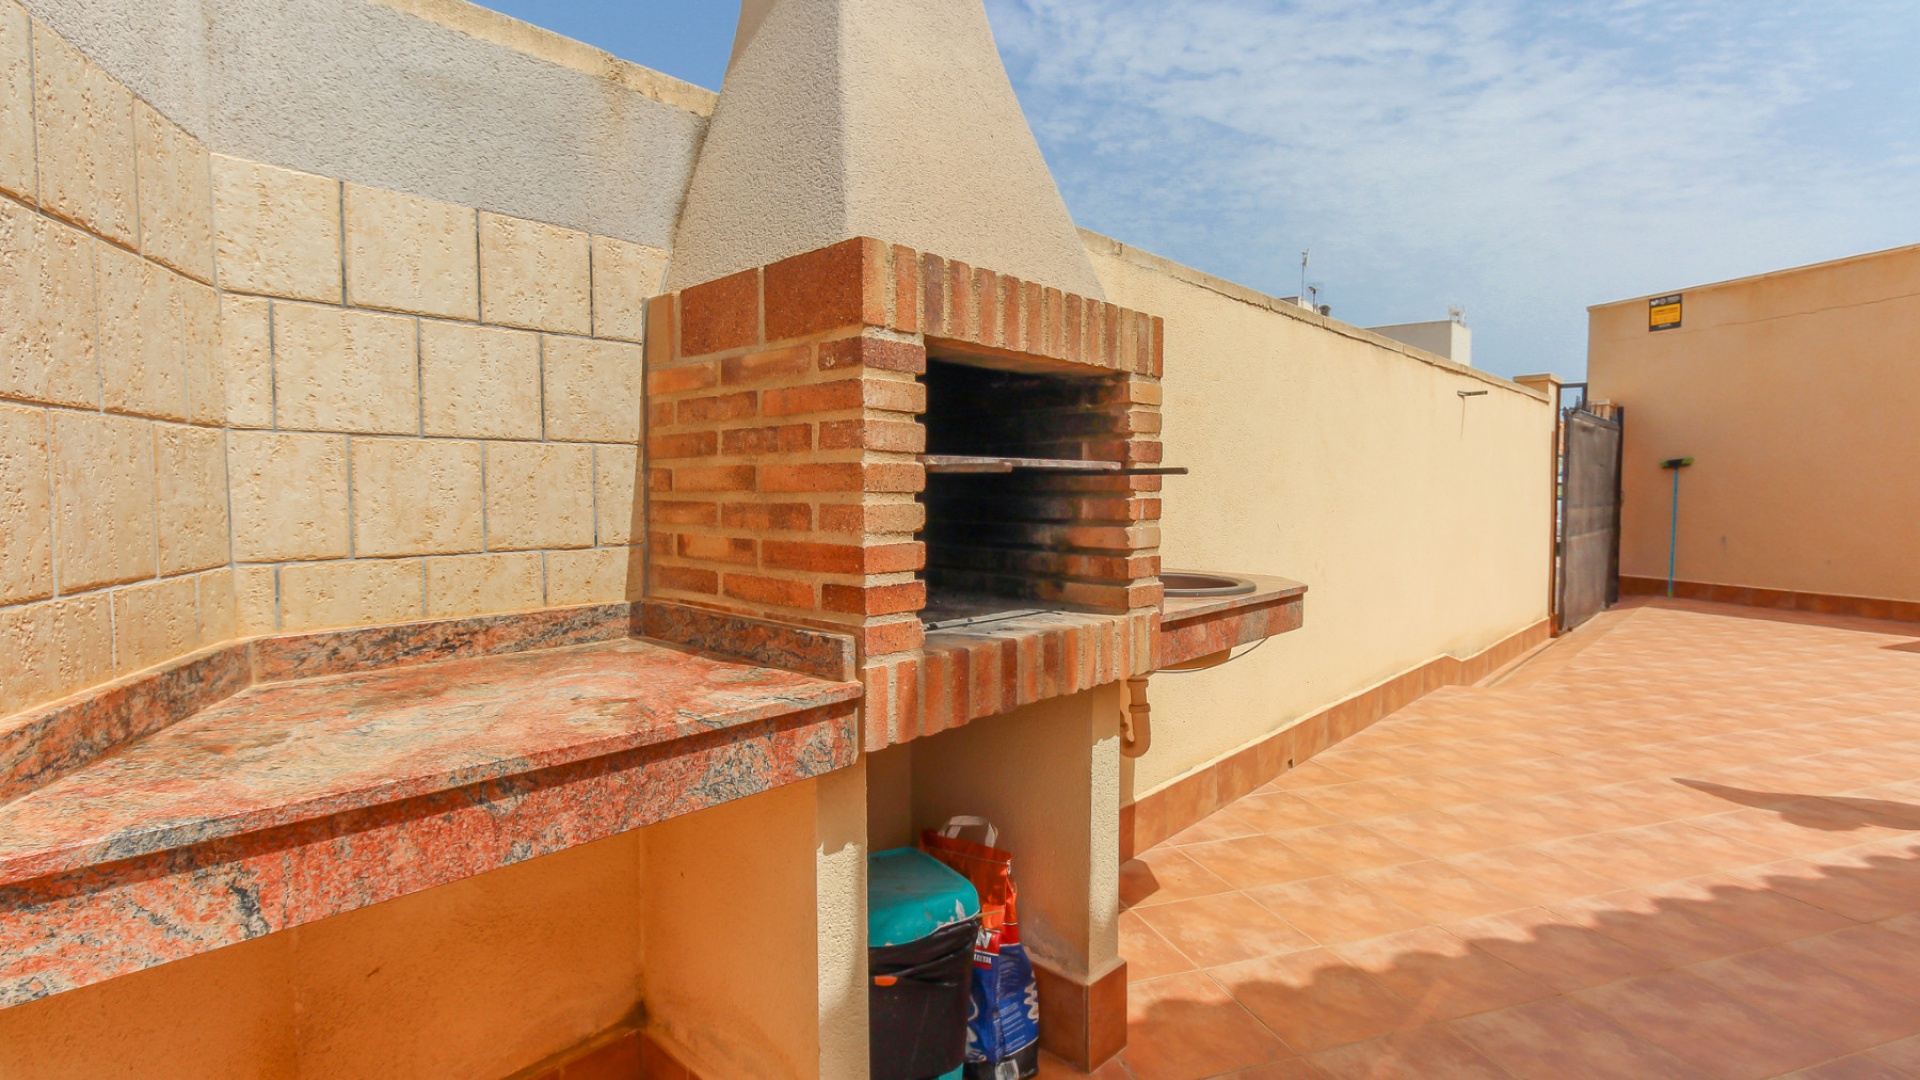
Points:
[[706, 410], [906, 290], [1009, 301], [730, 549], [659, 413], [714, 478], [682, 513], [1072, 323], [839, 396], [757, 367], [723, 314], [877, 353], [659, 330], [1055, 321], [819, 291], [1159, 347], [873, 435], [875, 712], [678, 380], [659, 479], [959, 299], [876, 599], [895, 478], [765, 590], [690, 445], [768, 517], [895, 558], [831, 476], [986, 293], [685, 579], [843, 558], [891, 637], [785, 439], [1033, 327], [895, 395], [871, 519], [933, 294], [1110, 347]]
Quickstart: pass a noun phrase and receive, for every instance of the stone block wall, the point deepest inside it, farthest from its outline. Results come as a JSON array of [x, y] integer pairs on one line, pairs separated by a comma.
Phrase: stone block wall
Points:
[[237, 399]]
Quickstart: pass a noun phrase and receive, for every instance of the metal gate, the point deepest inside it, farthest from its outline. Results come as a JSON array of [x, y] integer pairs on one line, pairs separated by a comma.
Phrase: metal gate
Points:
[[1589, 518]]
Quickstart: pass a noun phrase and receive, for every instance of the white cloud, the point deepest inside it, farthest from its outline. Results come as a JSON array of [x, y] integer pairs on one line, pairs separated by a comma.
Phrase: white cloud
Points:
[[1523, 158]]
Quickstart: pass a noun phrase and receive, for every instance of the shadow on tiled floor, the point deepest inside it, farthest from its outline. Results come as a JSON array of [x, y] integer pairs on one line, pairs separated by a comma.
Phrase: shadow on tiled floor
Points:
[[1684, 842]]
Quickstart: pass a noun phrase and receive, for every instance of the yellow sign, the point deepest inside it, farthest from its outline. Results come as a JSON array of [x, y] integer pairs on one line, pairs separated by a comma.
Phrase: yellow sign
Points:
[[1663, 312]]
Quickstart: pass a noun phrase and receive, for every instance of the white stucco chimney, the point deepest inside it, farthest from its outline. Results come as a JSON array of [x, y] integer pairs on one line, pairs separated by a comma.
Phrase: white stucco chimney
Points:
[[885, 118]]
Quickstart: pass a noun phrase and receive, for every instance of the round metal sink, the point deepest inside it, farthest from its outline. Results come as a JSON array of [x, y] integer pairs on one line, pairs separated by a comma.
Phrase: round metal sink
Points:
[[1189, 583]]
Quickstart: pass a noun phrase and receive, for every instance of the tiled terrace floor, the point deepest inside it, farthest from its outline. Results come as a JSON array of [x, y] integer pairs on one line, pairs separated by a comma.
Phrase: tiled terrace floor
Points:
[[1682, 842]]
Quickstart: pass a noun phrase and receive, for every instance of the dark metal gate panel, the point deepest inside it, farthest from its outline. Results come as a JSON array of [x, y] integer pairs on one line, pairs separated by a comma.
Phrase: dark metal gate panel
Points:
[[1590, 517]]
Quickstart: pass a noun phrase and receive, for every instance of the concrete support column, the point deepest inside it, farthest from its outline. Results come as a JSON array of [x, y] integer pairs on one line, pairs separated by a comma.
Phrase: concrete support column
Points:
[[1048, 775], [754, 933]]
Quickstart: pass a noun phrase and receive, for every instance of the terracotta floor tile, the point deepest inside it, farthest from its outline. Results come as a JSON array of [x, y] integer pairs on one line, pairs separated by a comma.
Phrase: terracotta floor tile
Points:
[[1518, 821], [1223, 929], [1720, 1034], [1307, 774], [1435, 832], [1148, 955], [1554, 948], [1185, 1027], [1347, 847], [1253, 861], [1873, 954], [1360, 800], [1844, 1010], [1533, 875], [1857, 1067], [1438, 891], [1902, 1054], [1835, 883], [1164, 875], [1556, 1039], [1315, 1000], [1219, 825], [1334, 910], [1282, 811], [1426, 1053], [1290, 1069], [1624, 855], [1052, 1068], [1441, 975], [1770, 916], [1661, 929], [1435, 790], [1767, 829]]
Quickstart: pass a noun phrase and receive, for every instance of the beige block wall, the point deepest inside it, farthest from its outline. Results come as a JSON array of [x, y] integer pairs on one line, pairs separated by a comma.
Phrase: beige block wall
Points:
[[1417, 518], [1795, 393], [237, 399]]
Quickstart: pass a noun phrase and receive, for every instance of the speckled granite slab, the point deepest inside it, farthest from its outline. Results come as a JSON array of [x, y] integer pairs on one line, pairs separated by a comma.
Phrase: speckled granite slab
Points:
[[1196, 626], [294, 800]]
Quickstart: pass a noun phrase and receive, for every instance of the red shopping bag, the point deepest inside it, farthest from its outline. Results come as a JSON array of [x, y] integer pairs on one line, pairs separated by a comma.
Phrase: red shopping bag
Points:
[[1003, 1026]]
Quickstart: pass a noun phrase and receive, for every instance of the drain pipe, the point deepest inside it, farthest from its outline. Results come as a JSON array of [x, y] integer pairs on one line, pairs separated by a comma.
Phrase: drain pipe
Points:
[[1136, 733], [1673, 533]]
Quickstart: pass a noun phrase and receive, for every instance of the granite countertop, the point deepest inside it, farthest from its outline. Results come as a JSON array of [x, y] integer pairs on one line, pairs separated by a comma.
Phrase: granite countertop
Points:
[[393, 760], [292, 751], [1195, 626]]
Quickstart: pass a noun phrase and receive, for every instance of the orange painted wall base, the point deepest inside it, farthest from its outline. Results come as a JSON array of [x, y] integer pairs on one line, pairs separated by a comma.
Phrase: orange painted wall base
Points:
[[1080, 1024], [1157, 815], [1864, 607]]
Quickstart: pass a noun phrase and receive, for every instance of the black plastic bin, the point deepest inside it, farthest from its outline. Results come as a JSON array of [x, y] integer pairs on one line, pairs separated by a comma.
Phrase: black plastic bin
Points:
[[922, 921]]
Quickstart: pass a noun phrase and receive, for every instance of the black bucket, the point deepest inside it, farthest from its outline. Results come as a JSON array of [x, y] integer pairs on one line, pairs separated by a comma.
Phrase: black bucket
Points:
[[918, 994]]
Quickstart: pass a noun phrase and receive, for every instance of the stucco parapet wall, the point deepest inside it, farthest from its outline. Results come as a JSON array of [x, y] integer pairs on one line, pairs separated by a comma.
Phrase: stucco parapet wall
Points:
[[365, 765], [1857, 279], [543, 44], [1108, 246], [435, 98]]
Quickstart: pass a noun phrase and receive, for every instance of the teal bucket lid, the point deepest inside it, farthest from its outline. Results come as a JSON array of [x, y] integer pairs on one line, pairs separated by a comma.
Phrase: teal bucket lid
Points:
[[910, 894]]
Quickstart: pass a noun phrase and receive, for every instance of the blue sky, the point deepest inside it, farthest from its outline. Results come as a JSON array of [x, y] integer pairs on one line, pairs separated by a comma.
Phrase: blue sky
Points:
[[1520, 159]]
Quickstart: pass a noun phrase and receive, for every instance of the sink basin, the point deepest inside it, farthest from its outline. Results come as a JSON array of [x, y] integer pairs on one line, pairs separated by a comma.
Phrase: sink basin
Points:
[[1189, 583]]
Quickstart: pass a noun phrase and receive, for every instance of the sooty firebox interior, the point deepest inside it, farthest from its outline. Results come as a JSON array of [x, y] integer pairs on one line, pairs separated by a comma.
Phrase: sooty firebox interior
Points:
[[1019, 466]]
